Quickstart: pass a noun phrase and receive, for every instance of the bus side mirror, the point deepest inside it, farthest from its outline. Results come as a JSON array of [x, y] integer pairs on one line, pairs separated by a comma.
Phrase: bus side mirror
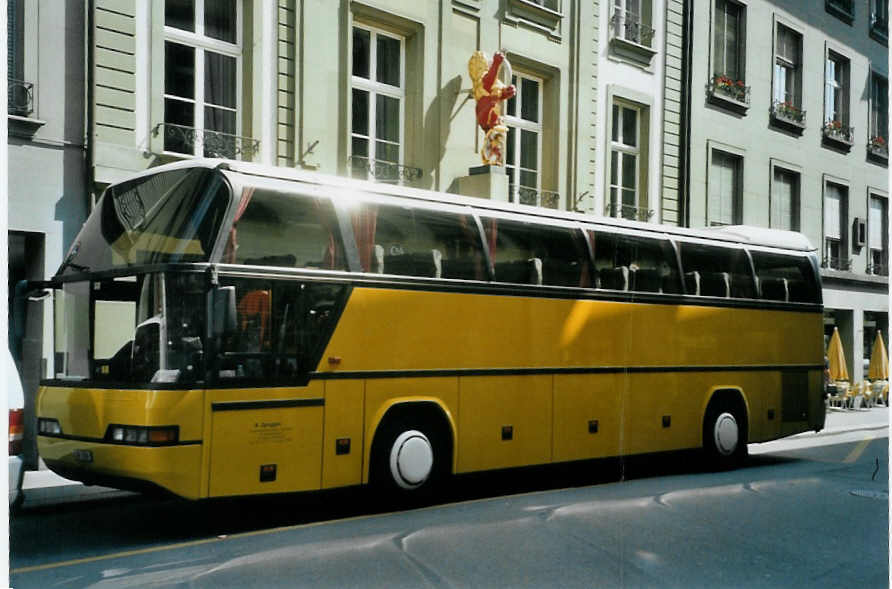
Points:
[[223, 314]]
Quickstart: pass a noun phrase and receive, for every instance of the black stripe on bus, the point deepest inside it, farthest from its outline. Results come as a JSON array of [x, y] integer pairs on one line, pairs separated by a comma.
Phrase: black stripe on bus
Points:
[[271, 404], [117, 443], [371, 374]]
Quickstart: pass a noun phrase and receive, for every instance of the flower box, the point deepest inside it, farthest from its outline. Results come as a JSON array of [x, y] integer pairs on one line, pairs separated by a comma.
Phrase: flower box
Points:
[[878, 148], [836, 133], [727, 92], [788, 114]]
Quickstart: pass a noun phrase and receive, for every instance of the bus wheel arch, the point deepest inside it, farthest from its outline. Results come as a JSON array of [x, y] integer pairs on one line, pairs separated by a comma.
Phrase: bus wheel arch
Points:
[[725, 428], [412, 448]]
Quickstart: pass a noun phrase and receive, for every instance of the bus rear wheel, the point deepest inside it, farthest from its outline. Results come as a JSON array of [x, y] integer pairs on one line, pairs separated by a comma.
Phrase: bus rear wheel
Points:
[[409, 461], [724, 436]]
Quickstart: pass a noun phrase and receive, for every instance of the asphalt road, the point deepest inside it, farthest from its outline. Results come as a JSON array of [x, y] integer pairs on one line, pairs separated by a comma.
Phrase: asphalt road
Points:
[[792, 517]]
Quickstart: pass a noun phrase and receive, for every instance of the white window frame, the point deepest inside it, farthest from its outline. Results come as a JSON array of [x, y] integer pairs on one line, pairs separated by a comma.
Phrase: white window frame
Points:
[[843, 220], [792, 85], [876, 105], [201, 43], [524, 125], [883, 230], [836, 108], [737, 197], [373, 87], [624, 150], [796, 198], [741, 42]]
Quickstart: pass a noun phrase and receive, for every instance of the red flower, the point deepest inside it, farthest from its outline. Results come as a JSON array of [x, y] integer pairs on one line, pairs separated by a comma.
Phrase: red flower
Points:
[[740, 83]]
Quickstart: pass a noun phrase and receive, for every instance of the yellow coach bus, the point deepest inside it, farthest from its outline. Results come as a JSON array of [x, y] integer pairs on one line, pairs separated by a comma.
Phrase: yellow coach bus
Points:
[[226, 329]]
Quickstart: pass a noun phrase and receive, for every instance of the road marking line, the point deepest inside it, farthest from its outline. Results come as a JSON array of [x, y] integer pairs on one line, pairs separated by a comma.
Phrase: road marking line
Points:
[[856, 453]]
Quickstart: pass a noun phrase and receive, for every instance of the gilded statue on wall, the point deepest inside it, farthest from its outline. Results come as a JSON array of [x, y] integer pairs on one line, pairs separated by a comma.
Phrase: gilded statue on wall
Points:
[[489, 92]]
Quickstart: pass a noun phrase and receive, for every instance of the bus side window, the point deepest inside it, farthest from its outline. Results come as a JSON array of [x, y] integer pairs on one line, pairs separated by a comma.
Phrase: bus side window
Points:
[[527, 253], [286, 230], [425, 243], [720, 271], [642, 264], [785, 278]]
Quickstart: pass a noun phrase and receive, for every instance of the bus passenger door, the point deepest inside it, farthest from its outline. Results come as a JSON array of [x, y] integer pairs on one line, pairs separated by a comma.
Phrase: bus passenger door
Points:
[[266, 416]]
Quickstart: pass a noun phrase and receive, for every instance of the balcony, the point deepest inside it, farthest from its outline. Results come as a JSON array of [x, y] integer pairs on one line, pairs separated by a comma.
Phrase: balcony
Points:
[[728, 93], [20, 96], [535, 197], [381, 171], [879, 27], [630, 38], [630, 212], [836, 134], [192, 141], [878, 148], [786, 114]]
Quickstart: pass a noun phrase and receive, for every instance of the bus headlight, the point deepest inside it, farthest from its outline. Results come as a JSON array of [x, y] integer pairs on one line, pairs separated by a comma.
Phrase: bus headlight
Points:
[[48, 427], [140, 435]]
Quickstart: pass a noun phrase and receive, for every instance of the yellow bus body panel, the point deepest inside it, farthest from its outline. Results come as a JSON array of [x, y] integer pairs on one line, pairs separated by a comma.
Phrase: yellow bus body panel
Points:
[[245, 441]]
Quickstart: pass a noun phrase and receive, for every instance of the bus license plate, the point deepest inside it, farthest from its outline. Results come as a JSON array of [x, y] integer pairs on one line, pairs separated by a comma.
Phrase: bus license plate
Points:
[[83, 455]]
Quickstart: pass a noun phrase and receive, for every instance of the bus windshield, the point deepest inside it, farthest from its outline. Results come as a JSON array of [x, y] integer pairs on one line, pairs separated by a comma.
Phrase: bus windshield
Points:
[[145, 329], [173, 216]]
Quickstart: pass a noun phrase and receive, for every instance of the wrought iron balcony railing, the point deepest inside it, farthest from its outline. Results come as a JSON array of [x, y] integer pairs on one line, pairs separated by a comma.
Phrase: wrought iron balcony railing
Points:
[[535, 197], [381, 171], [878, 269], [787, 112], [837, 263], [630, 212], [627, 26], [20, 97], [206, 142]]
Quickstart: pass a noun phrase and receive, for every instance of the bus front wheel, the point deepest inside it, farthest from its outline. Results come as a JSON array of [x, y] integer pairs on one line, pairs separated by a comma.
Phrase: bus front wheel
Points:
[[724, 435]]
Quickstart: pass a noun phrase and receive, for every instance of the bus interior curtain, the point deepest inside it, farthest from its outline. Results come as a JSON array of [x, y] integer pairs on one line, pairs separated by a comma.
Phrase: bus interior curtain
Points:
[[492, 234], [473, 237], [364, 222], [330, 259], [232, 244]]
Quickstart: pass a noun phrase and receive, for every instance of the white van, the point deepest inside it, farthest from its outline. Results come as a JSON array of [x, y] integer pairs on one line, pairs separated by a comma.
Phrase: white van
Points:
[[15, 401]]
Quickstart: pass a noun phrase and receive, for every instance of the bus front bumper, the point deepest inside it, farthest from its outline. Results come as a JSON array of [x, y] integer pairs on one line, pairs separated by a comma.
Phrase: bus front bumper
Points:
[[175, 469]]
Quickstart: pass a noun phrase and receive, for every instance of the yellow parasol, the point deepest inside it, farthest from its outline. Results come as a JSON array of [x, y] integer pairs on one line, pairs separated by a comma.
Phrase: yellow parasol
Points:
[[837, 358], [879, 360]]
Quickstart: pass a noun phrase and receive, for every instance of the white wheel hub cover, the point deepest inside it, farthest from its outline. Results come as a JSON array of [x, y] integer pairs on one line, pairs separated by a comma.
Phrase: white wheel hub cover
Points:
[[411, 459], [726, 434]]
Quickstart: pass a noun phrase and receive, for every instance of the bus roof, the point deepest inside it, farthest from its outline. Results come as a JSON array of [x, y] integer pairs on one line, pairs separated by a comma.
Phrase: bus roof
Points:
[[741, 234]]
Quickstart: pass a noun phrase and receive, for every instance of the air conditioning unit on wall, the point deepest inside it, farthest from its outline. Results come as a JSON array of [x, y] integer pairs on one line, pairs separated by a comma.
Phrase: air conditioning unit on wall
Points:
[[859, 232]]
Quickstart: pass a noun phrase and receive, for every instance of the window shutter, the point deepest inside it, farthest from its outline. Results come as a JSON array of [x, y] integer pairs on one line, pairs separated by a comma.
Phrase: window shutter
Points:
[[875, 223], [832, 216], [782, 200]]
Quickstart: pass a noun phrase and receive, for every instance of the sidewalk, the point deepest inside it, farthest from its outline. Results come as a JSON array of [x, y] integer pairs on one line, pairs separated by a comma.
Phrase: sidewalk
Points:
[[43, 487]]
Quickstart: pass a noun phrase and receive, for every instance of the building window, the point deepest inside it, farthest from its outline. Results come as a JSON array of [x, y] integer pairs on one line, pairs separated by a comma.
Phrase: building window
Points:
[[879, 20], [836, 199], [725, 189], [842, 9], [20, 93], [787, 99], [523, 161], [784, 199], [836, 99], [878, 235], [202, 62], [728, 81], [627, 194], [879, 116], [631, 21], [377, 102]]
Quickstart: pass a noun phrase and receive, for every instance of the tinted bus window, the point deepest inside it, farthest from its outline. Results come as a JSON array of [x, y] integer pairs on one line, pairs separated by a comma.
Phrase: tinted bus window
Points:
[[280, 229], [629, 262], [717, 271], [418, 242], [528, 253], [786, 278]]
